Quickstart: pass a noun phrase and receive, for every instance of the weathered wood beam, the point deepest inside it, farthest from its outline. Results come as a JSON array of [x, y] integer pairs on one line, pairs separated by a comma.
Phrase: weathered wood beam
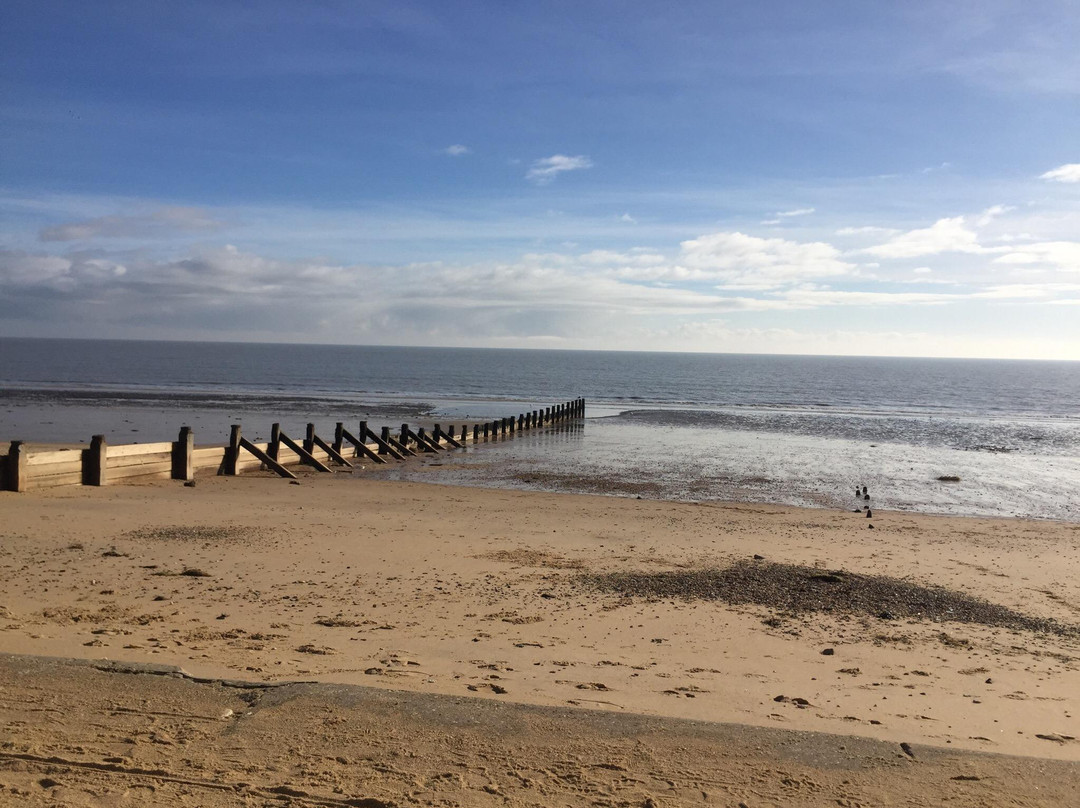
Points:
[[362, 447], [335, 455], [248, 446], [385, 442], [423, 441], [95, 463], [183, 467], [305, 455], [437, 433]]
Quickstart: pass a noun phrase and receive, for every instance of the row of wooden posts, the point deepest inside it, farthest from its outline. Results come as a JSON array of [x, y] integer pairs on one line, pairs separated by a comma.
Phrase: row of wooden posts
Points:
[[406, 443], [25, 467]]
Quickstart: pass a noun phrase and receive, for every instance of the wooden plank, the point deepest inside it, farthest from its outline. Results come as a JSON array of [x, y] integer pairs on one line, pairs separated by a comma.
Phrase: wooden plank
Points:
[[306, 456], [265, 458], [136, 460], [129, 449], [56, 481], [57, 456], [140, 471], [69, 466], [209, 452]]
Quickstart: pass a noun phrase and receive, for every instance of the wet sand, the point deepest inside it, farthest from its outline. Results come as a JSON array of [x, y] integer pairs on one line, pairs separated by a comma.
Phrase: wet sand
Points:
[[490, 595]]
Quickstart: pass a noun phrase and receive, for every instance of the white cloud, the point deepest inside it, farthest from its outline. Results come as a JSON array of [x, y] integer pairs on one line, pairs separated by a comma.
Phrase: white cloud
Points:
[[1063, 255], [992, 213], [546, 169], [922, 270], [162, 222], [634, 258], [457, 150], [740, 258], [945, 235], [813, 298], [626, 217], [797, 212], [1070, 172], [770, 221], [867, 230]]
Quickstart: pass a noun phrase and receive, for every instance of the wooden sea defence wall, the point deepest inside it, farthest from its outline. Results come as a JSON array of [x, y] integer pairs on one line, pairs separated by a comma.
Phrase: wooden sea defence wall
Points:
[[27, 468]]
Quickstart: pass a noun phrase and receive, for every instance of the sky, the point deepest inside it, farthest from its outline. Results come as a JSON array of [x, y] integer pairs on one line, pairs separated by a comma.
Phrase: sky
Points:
[[773, 177]]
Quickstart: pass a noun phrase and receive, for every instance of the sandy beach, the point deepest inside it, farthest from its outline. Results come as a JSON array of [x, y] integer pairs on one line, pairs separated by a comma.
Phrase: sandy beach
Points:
[[585, 605]]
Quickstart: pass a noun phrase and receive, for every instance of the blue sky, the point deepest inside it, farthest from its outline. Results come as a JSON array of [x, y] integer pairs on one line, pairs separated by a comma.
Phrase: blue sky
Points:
[[844, 177]]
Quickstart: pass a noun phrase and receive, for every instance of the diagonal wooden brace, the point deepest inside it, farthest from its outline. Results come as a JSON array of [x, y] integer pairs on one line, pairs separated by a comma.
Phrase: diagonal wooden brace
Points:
[[305, 455], [438, 433], [391, 447], [265, 458], [335, 455], [361, 446]]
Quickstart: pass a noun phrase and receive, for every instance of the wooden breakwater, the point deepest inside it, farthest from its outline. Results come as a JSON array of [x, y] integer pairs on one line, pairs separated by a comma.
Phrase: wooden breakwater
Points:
[[26, 467]]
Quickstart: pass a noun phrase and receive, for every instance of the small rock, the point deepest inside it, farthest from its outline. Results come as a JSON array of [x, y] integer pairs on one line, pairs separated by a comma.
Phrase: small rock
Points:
[[908, 750], [294, 482], [189, 484], [47, 782], [758, 557], [828, 651]]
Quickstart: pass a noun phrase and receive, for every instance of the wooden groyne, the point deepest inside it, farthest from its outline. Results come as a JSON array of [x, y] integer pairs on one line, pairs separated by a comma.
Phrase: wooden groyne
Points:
[[26, 468]]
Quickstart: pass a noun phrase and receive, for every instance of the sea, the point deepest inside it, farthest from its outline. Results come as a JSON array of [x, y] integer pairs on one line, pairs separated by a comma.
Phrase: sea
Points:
[[950, 436]]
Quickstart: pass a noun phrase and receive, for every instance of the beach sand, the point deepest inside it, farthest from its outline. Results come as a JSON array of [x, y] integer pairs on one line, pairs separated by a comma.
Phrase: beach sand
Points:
[[460, 596]]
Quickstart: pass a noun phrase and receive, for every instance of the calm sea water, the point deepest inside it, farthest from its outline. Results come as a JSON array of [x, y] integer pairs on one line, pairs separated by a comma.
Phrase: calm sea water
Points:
[[798, 430]]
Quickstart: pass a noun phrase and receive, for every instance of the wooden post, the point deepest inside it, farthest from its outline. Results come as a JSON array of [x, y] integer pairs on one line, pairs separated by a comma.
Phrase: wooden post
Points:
[[521, 421], [183, 466], [485, 431], [513, 424], [309, 438], [476, 433], [339, 439], [362, 449], [232, 454], [333, 453], [384, 442], [438, 434], [273, 449], [16, 467], [305, 456], [405, 435], [95, 461]]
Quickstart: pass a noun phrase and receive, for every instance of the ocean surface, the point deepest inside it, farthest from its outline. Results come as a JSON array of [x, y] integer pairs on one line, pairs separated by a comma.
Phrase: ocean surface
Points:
[[783, 429]]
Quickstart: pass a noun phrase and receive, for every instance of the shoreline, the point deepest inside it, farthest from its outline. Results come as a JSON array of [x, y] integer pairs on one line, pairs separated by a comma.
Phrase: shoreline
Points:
[[476, 592]]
